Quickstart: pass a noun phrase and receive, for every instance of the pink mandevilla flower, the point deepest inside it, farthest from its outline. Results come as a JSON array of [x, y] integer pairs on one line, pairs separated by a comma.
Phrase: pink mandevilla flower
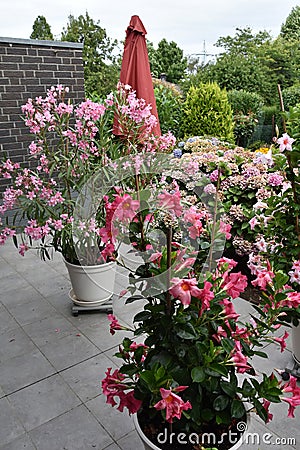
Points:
[[285, 142], [184, 289], [172, 403]]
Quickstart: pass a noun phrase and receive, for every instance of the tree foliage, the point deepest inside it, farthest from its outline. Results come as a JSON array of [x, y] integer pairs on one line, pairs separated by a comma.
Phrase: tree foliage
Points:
[[207, 112], [290, 30], [167, 59], [41, 29], [101, 70]]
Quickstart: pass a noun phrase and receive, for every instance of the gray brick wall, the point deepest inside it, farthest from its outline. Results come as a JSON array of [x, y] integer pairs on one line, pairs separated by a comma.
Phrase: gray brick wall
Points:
[[27, 69]]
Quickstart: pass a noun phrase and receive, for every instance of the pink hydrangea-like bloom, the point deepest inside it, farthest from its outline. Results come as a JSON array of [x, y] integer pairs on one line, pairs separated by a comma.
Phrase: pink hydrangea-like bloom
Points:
[[172, 403], [183, 289], [275, 179], [285, 142]]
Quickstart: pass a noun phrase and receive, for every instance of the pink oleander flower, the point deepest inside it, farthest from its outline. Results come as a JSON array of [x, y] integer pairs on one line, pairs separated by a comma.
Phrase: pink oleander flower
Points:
[[184, 289], [234, 284], [172, 403], [285, 142]]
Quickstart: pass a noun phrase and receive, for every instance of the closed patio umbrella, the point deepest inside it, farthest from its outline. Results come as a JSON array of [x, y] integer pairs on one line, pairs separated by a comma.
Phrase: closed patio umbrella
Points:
[[135, 69]]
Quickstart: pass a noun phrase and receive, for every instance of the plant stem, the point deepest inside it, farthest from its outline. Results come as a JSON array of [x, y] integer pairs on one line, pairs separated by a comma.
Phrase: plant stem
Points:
[[169, 261], [213, 231]]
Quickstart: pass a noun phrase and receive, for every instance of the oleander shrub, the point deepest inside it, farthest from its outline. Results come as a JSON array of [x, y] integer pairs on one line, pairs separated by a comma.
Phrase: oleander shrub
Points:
[[207, 112]]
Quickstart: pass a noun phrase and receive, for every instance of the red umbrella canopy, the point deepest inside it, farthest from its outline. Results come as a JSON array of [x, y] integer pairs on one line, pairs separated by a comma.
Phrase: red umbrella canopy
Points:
[[135, 69]]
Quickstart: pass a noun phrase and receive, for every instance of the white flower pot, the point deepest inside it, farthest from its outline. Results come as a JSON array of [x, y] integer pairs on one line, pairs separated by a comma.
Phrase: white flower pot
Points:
[[92, 284], [150, 446], [129, 257], [296, 343]]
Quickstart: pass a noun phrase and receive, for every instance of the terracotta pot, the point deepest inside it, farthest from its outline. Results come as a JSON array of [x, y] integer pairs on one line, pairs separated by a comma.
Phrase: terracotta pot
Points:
[[93, 284]]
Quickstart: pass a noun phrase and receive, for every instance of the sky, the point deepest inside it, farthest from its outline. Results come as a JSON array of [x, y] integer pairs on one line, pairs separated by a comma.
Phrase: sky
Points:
[[195, 25]]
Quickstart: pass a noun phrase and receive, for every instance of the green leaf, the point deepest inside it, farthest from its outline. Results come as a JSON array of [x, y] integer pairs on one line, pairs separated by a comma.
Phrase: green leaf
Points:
[[133, 298], [237, 409], [228, 388], [198, 374], [216, 370], [220, 402], [186, 331], [142, 316]]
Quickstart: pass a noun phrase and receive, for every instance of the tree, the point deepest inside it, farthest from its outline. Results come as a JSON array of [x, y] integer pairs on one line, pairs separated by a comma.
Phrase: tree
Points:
[[41, 29], [168, 59], [101, 71], [290, 30]]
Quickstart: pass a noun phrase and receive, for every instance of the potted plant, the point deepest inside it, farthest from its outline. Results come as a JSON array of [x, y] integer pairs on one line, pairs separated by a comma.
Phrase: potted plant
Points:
[[70, 143], [187, 370]]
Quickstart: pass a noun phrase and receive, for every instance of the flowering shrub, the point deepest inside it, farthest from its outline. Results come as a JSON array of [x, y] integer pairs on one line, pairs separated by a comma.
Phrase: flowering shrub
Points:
[[185, 372], [69, 143], [182, 364]]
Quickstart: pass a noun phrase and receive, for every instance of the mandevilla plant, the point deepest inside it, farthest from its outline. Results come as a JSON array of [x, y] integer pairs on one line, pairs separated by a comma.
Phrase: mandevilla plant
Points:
[[182, 367]]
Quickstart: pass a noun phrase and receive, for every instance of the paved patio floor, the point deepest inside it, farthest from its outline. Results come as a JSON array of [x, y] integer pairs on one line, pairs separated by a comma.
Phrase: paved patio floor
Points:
[[52, 363]]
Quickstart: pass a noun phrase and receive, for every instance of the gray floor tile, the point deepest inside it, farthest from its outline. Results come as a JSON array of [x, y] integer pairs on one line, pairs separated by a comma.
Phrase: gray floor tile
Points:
[[2, 393], [32, 312], [116, 423], [275, 359], [14, 343], [99, 334], [7, 321], [62, 303], [49, 330], [11, 427], [23, 443], [19, 296], [85, 378], [5, 269], [51, 285], [69, 350], [12, 282], [43, 401], [75, 430], [131, 441], [24, 370], [112, 447]]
